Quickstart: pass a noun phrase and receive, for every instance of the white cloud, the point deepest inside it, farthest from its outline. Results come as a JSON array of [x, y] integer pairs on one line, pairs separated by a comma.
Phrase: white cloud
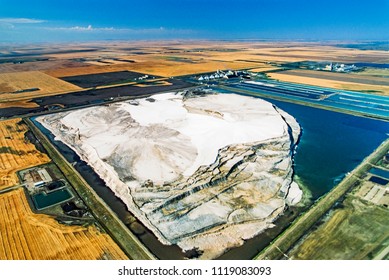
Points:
[[82, 28], [20, 20], [138, 31], [91, 28], [88, 28]]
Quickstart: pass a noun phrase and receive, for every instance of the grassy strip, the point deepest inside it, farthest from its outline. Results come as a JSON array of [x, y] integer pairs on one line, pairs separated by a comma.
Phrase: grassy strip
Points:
[[277, 249], [132, 247]]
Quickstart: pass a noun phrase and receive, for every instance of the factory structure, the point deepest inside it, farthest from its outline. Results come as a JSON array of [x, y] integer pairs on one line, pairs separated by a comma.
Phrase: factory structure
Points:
[[227, 74], [340, 67]]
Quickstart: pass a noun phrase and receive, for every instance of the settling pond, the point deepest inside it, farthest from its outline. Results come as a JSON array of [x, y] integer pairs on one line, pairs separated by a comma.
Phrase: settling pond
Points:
[[44, 200]]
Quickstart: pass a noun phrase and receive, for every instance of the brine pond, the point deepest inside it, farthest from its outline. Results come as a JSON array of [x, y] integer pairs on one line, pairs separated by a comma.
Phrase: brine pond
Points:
[[44, 200], [331, 145]]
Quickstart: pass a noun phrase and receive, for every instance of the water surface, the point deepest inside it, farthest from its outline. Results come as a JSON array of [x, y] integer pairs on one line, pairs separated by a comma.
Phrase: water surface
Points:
[[331, 144], [44, 200]]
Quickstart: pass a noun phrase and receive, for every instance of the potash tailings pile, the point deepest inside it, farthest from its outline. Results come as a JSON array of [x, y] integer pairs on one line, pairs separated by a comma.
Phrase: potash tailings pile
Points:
[[202, 172]]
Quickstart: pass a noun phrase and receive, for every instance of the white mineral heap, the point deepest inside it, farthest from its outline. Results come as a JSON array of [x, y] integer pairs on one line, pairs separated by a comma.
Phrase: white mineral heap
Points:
[[204, 172]]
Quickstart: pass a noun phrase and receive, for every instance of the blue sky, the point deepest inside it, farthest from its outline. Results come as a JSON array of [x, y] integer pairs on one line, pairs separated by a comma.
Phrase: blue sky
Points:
[[82, 20]]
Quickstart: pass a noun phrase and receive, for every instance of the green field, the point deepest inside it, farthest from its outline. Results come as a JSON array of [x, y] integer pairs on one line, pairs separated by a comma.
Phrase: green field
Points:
[[359, 230], [361, 215]]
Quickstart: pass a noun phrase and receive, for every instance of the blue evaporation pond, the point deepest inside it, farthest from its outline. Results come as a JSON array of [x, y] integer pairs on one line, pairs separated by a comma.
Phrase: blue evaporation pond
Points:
[[380, 172], [378, 180], [373, 105], [331, 144], [44, 200]]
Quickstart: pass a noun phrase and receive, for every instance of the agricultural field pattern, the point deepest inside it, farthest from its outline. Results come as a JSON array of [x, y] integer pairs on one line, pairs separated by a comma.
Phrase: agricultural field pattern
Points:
[[194, 150]]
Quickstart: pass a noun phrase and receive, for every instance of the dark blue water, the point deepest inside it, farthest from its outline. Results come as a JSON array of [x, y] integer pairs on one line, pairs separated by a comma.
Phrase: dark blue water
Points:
[[43, 200], [378, 180], [380, 172], [331, 144]]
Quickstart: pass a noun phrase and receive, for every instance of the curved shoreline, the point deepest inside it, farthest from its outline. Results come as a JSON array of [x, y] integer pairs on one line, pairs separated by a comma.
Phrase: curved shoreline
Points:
[[118, 186]]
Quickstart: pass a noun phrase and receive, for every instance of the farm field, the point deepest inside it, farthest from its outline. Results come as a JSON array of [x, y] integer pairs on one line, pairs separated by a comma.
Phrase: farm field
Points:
[[200, 56], [289, 52], [358, 230], [16, 152], [20, 104], [184, 59], [94, 96], [355, 228], [101, 79], [29, 236], [18, 89], [376, 89], [371, 72], [33, 83], [263, 69], [152, 66], [39, 79], [342, 77], [38, 65]]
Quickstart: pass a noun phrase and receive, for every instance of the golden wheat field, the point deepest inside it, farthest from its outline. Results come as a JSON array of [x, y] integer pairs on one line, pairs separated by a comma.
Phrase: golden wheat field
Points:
[[38, 65], [383, 90], [21, 104], [263, 69], [338, 76], [154, 66], [16, 153], [34, 83], [29, 236], [179, 58]]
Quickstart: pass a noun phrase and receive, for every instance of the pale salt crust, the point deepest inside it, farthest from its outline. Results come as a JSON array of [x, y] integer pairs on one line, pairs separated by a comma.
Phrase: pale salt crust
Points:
[[243, 120], [173, 138]]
